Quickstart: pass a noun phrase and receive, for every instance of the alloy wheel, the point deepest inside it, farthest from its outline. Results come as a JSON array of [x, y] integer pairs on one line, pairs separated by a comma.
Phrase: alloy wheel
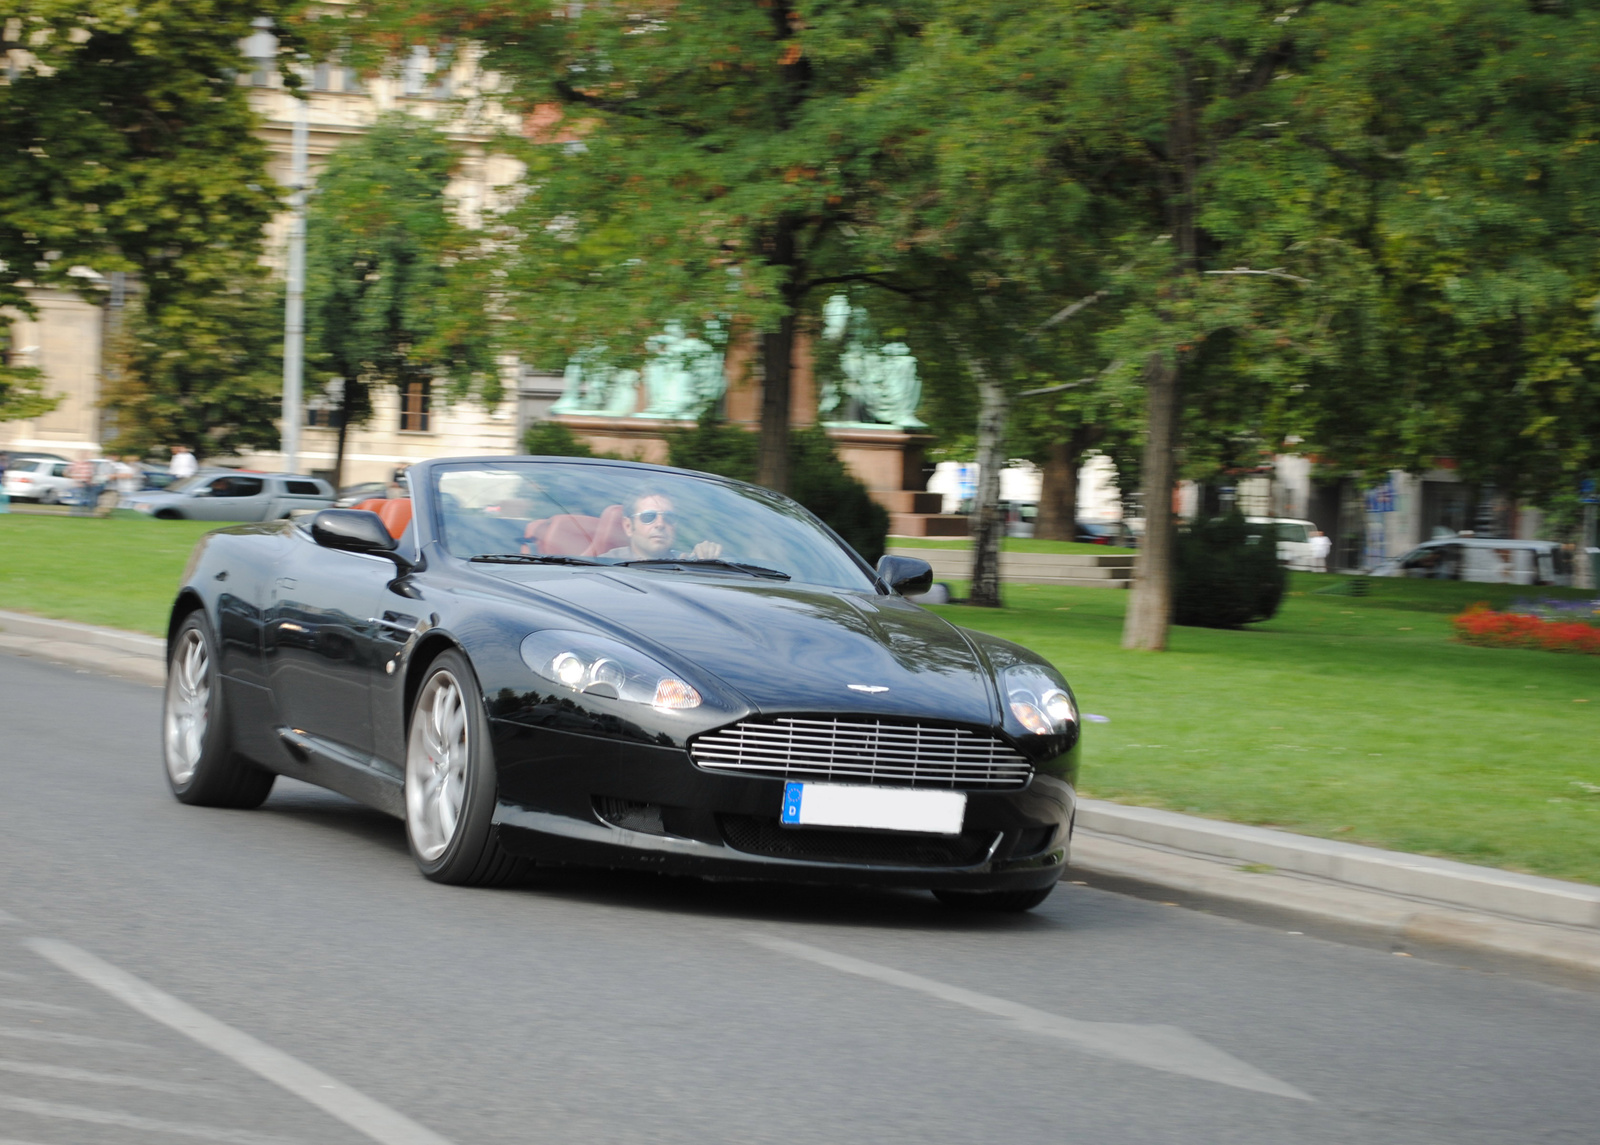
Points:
[[188, 705], [436, 765]]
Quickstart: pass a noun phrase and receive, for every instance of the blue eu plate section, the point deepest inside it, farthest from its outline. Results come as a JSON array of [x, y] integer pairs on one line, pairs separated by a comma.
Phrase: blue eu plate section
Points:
[[791, 801]]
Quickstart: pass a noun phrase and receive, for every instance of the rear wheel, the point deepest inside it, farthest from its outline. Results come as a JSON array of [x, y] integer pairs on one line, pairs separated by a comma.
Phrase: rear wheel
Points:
[[450, 782], [202, 768], [999, 902]]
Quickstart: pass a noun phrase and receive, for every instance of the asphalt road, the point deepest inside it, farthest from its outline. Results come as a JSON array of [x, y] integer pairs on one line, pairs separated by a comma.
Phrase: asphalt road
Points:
[[177, 974]]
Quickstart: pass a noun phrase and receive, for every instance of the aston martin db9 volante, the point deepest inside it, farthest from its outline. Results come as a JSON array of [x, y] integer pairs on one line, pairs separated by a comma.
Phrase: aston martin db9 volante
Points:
[[554, 660]]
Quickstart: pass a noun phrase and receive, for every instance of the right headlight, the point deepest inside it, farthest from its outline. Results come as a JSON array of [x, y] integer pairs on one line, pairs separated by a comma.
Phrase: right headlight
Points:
[[1038, 701], [599, 666]]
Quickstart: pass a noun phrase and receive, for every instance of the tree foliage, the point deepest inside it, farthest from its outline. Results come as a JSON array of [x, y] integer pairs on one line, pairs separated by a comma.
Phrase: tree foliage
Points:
[[126, 144], [692, 162], [390, 297], [203, 371]]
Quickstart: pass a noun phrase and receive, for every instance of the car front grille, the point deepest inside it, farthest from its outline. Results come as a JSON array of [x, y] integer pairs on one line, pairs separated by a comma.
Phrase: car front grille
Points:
[[756, 835], [856, 750]]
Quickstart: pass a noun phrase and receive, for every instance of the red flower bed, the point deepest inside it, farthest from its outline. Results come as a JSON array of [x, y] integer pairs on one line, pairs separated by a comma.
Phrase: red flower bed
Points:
[[1480, 624]]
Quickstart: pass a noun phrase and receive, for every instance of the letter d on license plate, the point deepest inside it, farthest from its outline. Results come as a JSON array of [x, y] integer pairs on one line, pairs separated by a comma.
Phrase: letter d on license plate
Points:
[[880, 808]]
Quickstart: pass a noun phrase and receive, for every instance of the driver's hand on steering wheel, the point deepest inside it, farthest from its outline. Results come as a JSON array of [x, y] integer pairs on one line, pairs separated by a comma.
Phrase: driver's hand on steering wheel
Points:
[[707, 550]]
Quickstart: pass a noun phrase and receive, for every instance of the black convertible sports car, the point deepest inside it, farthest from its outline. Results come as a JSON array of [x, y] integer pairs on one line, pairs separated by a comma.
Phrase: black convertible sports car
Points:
[[556, 660]]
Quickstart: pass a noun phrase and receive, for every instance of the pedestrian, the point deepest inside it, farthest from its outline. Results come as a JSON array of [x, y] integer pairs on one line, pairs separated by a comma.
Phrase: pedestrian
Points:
[[1321, 546], [183, 463], [5, 500], [129, 477], [399, 482], [80, 471]]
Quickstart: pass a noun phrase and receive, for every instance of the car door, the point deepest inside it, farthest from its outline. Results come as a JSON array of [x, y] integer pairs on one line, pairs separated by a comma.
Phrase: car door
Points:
[[333, 624], [218, 498]]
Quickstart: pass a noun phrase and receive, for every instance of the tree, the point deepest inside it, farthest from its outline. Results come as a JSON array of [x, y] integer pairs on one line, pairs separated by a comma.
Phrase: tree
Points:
[[205, 372], [694, 163], [126, 144], [21, 387], [390, 297]]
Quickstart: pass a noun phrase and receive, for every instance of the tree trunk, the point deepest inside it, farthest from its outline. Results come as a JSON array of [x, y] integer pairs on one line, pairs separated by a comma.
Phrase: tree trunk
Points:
[[1058, 491], [338, 453], [777, 361], [1150, 609], [987, 524]]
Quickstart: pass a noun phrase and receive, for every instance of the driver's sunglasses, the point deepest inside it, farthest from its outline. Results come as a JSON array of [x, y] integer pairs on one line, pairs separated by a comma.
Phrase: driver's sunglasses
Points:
[[668, 517]]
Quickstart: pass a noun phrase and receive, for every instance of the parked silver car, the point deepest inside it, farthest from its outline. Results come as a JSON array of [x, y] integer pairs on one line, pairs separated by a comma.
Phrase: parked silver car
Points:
[[234, 496]]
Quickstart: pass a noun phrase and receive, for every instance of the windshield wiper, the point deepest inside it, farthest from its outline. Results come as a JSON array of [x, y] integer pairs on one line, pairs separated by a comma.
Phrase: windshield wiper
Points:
[[529, 559], [710, 562]]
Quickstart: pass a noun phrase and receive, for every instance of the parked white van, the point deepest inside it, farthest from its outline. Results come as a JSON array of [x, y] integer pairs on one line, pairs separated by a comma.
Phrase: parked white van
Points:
[[1295, 549], [1486, 560]]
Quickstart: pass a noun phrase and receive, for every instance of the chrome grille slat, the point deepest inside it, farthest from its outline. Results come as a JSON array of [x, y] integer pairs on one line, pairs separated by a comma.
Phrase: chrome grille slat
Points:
[[862, 750]]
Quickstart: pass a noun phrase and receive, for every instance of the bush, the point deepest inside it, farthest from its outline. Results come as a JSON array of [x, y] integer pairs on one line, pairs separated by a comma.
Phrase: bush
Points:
[[1224, 576], [817, 478], [1480, 624], [552, 439]]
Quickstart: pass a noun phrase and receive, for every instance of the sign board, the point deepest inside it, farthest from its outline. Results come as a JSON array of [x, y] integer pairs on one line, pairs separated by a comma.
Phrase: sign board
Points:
[[1380, 498]]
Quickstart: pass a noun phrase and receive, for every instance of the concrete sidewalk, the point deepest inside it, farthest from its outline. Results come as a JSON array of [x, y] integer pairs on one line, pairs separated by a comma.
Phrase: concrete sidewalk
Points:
[[1408, 899]]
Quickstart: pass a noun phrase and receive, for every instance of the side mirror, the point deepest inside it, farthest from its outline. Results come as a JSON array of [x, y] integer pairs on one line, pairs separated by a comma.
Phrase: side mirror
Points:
[[353, 531], [908, 576]]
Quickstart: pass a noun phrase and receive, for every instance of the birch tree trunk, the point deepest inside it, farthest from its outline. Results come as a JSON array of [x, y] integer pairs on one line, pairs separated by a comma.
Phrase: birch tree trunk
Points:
[[1150, 609], [987, 525]]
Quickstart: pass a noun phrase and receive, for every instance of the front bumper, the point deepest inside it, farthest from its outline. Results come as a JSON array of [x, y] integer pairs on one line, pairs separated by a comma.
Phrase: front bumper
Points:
[[561, 793]]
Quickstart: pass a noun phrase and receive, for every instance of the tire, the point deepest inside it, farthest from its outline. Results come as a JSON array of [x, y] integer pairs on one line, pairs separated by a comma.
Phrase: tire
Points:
[[450, 781], [50, 497], [996, 902], [169, 515], [201, 765]]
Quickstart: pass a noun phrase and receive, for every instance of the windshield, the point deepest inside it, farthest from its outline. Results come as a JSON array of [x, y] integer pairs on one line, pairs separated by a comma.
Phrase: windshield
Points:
[[652, 522]]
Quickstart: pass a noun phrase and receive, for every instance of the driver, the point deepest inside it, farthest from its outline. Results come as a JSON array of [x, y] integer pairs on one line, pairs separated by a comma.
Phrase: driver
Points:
[[652, 527]]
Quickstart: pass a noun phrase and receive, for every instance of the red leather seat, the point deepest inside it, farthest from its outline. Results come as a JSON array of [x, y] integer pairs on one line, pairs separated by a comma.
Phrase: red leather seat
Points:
[[568, 535], [394, 512], [609, 534]]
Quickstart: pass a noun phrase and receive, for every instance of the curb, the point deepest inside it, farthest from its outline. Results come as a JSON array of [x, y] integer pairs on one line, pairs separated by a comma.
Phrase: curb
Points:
[[1409, 898], [1420, 877], [130, 655]]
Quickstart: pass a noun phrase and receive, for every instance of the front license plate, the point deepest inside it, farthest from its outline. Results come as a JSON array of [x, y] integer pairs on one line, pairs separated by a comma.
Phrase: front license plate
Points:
[[882, 808]]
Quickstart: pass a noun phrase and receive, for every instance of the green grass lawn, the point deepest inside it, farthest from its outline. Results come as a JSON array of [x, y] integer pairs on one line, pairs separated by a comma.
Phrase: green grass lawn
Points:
[[1354, 718], [1011, 545], [120, 571]]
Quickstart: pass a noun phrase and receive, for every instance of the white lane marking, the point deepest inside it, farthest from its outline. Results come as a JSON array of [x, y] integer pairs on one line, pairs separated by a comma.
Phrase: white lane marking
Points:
[[112, 1117], [308, 1083], [8, 918], [16, 1141], [8, 976], [71, 1073], [1167, 1048], [68, 1039], [37, 1007]]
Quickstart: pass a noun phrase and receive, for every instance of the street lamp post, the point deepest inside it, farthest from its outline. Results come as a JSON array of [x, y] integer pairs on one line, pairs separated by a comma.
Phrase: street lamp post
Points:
[[294, 311]]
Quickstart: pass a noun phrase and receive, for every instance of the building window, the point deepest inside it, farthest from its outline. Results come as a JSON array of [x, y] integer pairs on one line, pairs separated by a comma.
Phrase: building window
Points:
[[415, 414], [322, 77]]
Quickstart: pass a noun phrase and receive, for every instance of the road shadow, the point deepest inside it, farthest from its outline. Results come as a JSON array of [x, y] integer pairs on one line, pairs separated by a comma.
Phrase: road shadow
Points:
[[328, 810]]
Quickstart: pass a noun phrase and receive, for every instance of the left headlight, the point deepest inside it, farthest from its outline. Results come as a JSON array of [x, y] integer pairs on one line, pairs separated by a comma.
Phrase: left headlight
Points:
[[1038, 701], [599, 666]]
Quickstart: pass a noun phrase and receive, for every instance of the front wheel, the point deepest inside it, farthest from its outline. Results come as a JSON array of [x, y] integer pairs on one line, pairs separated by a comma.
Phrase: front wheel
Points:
[[998, 902], [450, 782], [202, 767]]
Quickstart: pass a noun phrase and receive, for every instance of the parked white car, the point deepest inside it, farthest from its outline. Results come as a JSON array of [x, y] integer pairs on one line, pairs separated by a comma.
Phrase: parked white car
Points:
[[1295, 547], [45, 480], [1486, 560]]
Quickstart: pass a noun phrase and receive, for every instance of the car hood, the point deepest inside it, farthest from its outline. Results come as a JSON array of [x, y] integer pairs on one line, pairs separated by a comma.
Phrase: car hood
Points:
[[785, 648]]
